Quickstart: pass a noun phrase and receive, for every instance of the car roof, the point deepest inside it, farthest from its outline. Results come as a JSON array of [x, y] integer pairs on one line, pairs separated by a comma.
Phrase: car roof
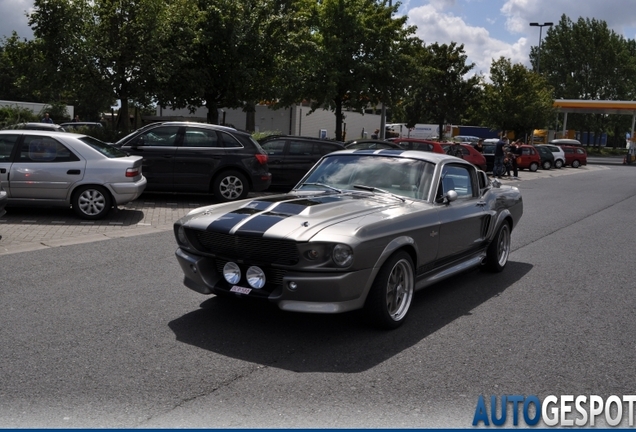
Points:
[[410, 154], [561, 141], [52, 133]]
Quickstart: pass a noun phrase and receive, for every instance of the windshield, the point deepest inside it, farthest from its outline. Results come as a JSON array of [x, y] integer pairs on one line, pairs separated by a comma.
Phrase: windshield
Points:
[[408, 178]]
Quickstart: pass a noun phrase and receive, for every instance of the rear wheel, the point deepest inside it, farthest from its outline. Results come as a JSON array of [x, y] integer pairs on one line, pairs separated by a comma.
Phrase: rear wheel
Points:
[[499, 249], [558, 164], [534, 167], [91, 202], [230, 186], [392, 291], [547, 165], [576, 164]]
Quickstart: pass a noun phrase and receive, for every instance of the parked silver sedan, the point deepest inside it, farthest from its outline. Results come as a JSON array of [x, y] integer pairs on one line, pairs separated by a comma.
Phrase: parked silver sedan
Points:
[[364, 229], [65, 169]]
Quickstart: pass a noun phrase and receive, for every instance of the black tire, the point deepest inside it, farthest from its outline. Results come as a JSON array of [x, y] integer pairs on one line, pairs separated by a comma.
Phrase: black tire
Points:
[[576, 164], [91, 202], [390, 297], [230, 186], [499, 250], [547, 165], [558, 164], [534, 167]]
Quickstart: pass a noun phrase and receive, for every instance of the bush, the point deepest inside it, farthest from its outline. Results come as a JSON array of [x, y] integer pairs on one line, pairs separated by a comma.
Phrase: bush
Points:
[[10, 115]]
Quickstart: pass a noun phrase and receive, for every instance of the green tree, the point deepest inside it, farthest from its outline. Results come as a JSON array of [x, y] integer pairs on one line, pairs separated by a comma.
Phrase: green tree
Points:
[[443, 92], [587, 60], [517, 100], [229, 57], [359, 45]]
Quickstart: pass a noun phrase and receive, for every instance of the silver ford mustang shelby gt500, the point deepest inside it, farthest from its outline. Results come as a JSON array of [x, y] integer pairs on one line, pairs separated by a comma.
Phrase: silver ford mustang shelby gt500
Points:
[[364, 229]]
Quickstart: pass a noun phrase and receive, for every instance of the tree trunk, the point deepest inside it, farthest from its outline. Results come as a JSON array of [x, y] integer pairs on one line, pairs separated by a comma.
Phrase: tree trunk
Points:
[[338, 119], [123, 119], [440, 125], [213, 109], [250, 117]]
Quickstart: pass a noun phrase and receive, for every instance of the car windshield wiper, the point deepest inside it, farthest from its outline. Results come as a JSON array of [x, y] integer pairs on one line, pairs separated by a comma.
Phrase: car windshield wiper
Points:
[[375, 189], [326, 186]]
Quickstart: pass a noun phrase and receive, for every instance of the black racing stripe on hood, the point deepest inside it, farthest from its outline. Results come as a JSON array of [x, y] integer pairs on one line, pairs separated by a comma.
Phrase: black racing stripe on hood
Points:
[[225, 223], [261, 223]]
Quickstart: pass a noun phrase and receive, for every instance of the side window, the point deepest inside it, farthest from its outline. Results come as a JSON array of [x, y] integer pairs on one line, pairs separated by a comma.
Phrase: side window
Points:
[[459, 179], [300, 148], [229, 141], [7, 142], [579, 151], [525, 151], [200, 138], [166, 136], [322, 149], [45, 149], [274, 147]]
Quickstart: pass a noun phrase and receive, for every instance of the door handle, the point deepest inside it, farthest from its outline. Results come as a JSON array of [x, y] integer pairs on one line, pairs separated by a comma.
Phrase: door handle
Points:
[[73, 172], [3, 170], [481, 204]]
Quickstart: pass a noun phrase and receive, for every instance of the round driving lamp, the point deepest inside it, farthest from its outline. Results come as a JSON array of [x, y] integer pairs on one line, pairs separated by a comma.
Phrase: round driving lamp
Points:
[[342, 255], [255, 277], [232, 272]]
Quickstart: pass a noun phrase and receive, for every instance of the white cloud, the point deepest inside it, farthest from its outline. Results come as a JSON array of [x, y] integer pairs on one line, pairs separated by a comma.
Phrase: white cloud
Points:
[[13, 17], [481, 48]]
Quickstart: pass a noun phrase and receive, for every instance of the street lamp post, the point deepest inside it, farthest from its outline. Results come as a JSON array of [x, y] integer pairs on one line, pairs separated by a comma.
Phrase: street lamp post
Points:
[[534, 24]]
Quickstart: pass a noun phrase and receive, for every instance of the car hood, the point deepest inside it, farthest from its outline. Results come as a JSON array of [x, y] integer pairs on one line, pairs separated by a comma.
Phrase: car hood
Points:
[[298, 216]]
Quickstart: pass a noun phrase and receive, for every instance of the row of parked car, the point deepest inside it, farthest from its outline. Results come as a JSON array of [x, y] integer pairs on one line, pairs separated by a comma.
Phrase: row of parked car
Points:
[[51, 167]]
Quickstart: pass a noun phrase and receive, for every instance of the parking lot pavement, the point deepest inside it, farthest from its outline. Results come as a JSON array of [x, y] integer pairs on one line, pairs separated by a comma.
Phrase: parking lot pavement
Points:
[[27, 229]]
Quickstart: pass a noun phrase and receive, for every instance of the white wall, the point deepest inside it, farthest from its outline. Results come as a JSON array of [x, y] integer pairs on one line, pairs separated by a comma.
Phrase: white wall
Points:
[[293, 121]]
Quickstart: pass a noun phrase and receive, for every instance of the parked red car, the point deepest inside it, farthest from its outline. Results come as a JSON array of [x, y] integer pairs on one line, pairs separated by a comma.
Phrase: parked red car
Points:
[[419, 144], [469, 154], [529, 158], [574, 156]]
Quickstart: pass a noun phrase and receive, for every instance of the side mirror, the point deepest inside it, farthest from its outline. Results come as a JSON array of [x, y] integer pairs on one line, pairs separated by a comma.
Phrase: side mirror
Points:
[[483, 179], [450, 196]]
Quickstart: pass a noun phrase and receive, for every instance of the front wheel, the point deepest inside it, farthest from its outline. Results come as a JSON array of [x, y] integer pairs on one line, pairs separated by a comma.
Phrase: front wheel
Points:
[[230, 186], [534, 167], [392, 291], [91, 202], [499, 250], [547, 165]]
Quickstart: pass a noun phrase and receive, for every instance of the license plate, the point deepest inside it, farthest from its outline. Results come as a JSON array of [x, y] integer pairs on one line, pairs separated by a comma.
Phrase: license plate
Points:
[[241, 290]]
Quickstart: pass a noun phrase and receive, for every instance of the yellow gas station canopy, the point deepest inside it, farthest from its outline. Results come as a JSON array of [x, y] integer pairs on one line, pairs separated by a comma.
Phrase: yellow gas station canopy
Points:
[[595, 106]]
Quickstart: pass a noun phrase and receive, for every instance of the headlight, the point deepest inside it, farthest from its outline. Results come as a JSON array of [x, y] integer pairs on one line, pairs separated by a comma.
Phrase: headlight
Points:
[[255, 277], [342, 255], [231, 272], [181, 236]]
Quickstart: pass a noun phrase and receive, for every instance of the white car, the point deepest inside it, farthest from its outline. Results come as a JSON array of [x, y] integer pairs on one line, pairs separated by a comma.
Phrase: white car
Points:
[[69, 170], [559, 154]]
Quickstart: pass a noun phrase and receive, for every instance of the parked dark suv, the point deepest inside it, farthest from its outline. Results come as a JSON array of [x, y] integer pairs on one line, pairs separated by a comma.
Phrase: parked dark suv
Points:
[[290, 157], [199, 157]]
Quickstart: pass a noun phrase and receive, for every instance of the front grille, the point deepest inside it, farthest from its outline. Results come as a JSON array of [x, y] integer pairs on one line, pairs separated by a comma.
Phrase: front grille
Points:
[[257, 249]]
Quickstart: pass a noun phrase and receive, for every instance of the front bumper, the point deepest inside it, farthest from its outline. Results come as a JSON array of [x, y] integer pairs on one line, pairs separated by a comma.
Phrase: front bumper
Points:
[[315, 292], [3, 202]]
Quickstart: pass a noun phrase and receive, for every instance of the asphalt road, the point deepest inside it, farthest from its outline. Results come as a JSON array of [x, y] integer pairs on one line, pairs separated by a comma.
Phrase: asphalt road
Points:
[[104, 334]]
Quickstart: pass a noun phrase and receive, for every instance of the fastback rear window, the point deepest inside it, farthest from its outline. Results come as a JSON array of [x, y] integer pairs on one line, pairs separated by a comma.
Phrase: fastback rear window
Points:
[[106, 149]]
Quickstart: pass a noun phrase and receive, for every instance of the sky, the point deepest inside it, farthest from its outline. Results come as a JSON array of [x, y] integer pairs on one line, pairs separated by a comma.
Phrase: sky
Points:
[[488, 29]]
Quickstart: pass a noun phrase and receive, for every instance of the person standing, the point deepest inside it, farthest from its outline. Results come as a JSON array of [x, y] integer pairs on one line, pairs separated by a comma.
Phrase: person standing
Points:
[[47, 118], [480, 145], [514, 151], [498, 168], [76, 118]]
